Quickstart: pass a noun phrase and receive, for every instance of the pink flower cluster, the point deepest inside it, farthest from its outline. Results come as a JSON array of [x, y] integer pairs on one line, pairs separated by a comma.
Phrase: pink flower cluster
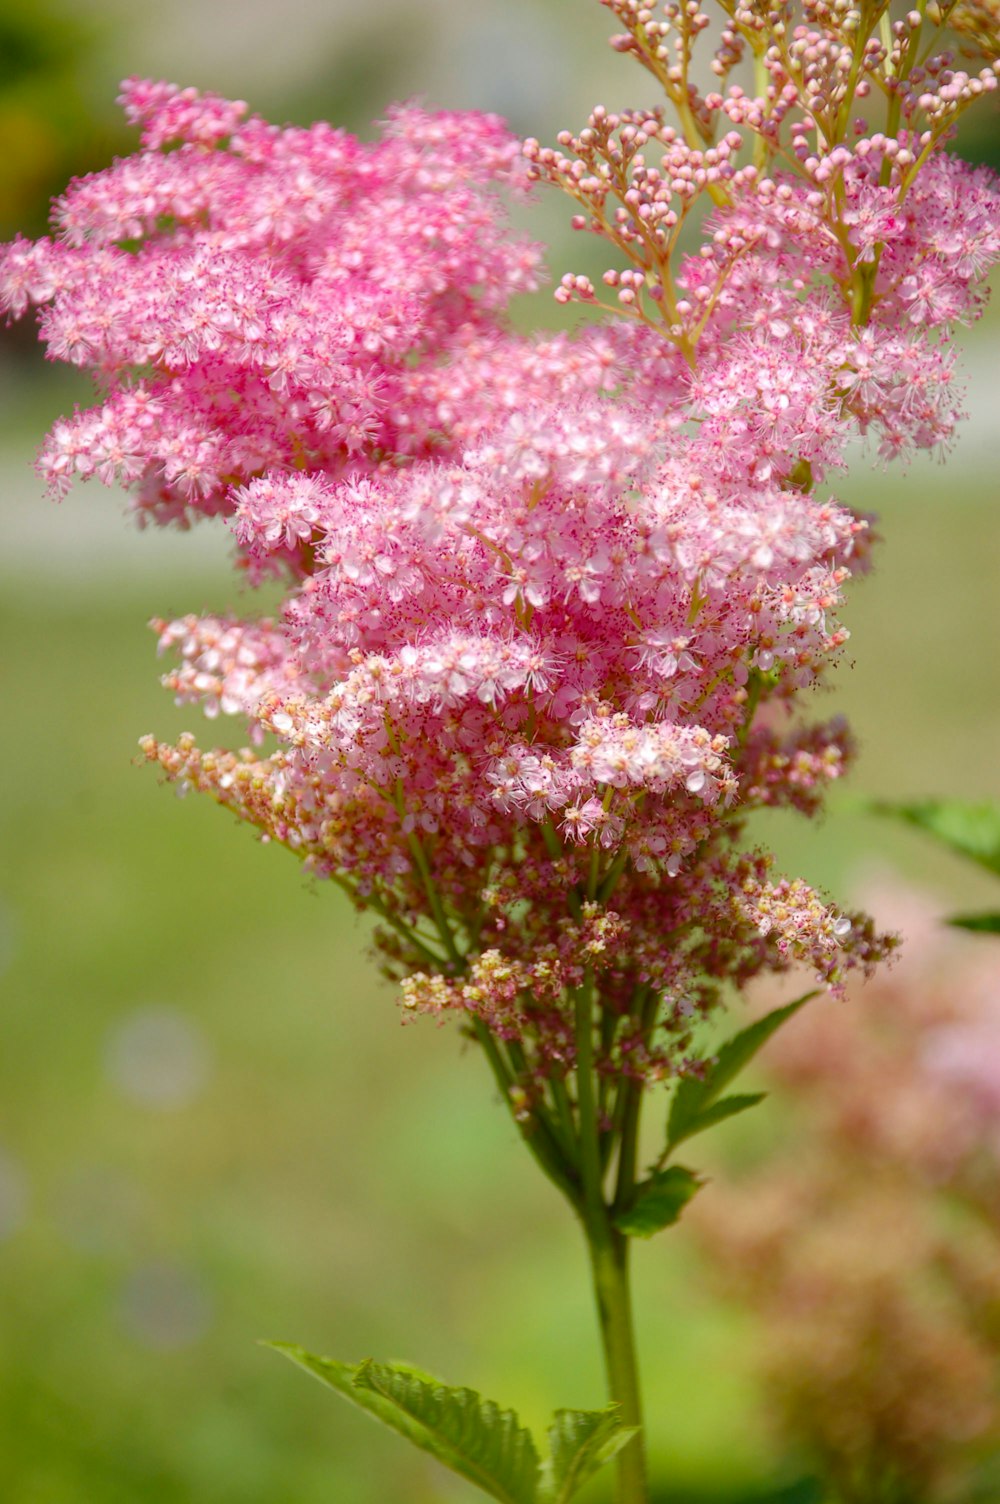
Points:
[[550, 601], [268, 306]]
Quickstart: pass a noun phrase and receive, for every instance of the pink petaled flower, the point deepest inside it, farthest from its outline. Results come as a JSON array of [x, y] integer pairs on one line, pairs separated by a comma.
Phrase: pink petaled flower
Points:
[[278, 512], [873, 216], [552, 602], [226, 665], [168, 114]]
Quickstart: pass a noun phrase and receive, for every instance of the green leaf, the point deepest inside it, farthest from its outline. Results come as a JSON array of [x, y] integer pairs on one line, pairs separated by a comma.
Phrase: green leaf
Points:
[[983, 924], [695, 1105], [474, 1437], [973, 830], [726, 1107], [581, 1442], [658, 1202], [737, 1052]]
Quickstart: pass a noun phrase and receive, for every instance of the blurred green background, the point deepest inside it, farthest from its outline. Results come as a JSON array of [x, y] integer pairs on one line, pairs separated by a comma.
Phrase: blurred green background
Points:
[[212, 1127]]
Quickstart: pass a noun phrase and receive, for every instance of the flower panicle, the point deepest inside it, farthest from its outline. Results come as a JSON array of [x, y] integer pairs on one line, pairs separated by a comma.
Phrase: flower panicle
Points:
[[553, 605]]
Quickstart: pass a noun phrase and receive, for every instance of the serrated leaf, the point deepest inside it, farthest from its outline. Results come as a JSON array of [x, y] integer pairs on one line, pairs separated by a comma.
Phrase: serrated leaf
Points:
[[581, 1442], [983, 924], [488, 1444], [472, 1436], [658, 1202], [695, 1102], [972, 830]]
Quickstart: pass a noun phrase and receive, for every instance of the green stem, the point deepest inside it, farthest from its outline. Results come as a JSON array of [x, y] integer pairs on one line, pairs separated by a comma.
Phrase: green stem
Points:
[[376, 905], [645, 1004], [564, 1114], [609, 1264], [590, 1159], [444, 929], [535, 1130], [761, 79], [630, 1142]]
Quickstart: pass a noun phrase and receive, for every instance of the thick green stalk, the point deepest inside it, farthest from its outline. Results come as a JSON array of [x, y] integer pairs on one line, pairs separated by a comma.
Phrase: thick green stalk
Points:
[[609, 1264]]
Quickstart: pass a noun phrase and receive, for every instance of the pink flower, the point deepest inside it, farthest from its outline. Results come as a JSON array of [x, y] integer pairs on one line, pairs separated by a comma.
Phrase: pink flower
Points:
[[537, 588]]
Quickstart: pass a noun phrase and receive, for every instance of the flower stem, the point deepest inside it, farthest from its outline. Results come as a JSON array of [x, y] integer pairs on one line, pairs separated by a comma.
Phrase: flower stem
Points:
[[535, 1132], [609, 1262], [609, 1265]]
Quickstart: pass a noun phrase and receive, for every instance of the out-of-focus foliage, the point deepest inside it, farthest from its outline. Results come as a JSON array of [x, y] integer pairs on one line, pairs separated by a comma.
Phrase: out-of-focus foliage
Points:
[[866, 1243], [49, 131], [970, 830]]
